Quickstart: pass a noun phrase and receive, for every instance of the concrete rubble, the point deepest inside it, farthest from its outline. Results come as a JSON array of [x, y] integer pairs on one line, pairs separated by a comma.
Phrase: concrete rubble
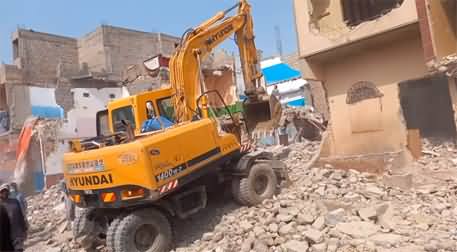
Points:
[[322, 210], [49, 229]]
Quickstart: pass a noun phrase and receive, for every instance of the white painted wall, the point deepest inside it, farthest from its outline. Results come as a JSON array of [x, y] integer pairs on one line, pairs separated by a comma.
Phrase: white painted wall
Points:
[[80, 121], [43, 103], [43, 97]]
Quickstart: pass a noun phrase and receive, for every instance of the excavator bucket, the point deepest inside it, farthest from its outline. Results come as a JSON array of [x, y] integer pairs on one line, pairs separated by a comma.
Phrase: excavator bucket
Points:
[[262, 113]]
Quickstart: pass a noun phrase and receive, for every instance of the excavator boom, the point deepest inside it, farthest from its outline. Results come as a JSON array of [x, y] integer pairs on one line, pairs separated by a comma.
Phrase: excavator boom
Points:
[[185, 66]]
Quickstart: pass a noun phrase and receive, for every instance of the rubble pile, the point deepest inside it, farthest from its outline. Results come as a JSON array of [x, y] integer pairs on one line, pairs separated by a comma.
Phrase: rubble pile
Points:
[[437, 165], [48, 227], [46, 130], [447, 64], [328, 210], [320, 210], [438, 155]]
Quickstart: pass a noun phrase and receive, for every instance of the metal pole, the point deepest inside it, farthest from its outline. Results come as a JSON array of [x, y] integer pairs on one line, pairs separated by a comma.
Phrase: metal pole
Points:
[[160, 42], [43, 158]]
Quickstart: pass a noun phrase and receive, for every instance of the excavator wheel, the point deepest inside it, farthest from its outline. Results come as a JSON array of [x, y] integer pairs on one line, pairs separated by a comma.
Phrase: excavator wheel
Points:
[[144, 230], [111, 233], [87, 229], [236, 191], [260, 184]]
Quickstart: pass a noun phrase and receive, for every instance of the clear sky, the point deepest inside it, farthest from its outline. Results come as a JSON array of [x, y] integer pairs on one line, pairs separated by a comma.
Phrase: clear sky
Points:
[[76, 18]]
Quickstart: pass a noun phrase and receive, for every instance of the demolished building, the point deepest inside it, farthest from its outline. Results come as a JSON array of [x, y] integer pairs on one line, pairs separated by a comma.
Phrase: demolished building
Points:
[[371, 60]]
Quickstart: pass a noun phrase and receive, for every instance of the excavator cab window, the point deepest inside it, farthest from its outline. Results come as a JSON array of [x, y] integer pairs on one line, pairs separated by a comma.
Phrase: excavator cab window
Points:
[[166, 108], [150, 110], [123, 114], [102, 123]]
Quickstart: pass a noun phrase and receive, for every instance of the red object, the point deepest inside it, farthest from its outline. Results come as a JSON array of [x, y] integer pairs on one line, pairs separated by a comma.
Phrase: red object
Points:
[[156, 62], [24, 138]]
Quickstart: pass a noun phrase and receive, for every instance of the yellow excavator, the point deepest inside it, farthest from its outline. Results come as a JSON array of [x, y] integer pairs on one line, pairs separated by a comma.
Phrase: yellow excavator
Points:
[[158, 153]]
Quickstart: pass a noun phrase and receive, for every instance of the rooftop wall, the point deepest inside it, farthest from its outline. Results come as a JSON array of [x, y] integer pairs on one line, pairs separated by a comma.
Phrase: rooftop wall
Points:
[[322, 24], [38, 55], [123, 47]]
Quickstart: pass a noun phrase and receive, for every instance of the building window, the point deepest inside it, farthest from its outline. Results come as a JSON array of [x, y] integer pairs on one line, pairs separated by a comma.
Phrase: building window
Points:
[[112, 96], [16, 48], [362, 90], [87, 95], [356, 12], [365, 107]]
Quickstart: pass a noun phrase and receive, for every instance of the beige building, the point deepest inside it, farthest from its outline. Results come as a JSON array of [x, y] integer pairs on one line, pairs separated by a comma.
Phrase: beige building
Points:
[[374, 65]]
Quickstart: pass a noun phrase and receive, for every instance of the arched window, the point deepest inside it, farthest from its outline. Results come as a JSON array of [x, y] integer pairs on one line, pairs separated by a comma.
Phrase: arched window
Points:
[[365, 107], [362, 90]]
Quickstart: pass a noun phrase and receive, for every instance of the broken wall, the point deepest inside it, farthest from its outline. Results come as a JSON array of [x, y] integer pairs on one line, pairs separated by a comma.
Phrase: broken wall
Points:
[[374, 123], [10, 74], [80, 121], [426, 105], [54, 163], [438, 21], [20, 106], [26, 101], [321, 25]]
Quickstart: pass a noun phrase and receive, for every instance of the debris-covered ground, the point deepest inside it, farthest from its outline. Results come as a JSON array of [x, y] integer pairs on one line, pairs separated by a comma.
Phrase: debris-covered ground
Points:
[[49, 230], [322, 210]]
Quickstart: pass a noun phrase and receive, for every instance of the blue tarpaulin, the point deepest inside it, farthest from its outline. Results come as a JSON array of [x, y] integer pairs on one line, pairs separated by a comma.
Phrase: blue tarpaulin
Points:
[[47, 112], [297, 103], [279, 73], [154, 124]]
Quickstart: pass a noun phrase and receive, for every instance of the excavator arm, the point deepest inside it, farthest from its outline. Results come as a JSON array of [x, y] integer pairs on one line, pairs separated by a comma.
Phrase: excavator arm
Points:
[[185, 66]]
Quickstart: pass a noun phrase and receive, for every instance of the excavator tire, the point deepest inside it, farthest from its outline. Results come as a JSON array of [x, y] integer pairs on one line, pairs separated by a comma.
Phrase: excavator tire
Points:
[[111, 233], [84, 229], [236, 192], [144, 230], [260, 184]]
